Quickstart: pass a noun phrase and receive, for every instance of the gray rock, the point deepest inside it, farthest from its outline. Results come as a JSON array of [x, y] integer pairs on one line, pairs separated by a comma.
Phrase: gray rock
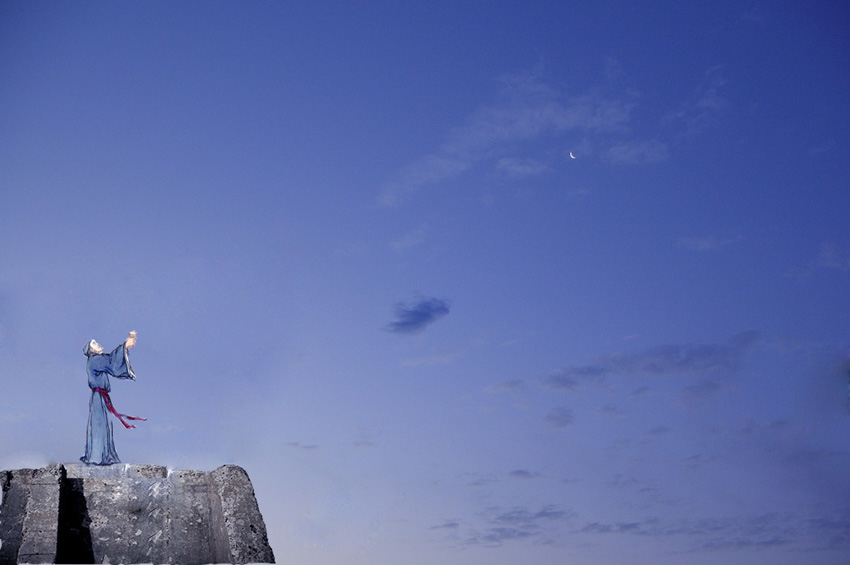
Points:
[[77, 513]]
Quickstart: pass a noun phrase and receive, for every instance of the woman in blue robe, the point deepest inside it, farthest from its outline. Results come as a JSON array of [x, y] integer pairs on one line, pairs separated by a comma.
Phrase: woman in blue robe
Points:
[[100, 447]]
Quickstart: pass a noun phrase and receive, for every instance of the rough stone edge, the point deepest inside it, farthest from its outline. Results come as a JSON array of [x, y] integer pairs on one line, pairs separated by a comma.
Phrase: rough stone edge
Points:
[[249, 543]]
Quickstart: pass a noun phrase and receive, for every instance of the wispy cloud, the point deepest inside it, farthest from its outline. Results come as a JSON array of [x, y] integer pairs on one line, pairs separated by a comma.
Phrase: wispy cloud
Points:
[[793, 531], [702, 389], [672, 359], [525, 109], [414, 318], [635, 152], [706, 243], [521, 167], [703, 110], [528, 113], [519, 524], [830, 257], [409, 240]]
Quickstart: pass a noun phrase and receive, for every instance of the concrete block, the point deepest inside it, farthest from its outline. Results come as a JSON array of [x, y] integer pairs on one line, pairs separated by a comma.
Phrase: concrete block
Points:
[[41, 523], [130, 514], [243, 524]]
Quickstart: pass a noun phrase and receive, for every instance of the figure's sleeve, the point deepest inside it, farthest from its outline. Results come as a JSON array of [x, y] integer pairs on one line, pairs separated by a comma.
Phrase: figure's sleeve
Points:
[[119, 364]]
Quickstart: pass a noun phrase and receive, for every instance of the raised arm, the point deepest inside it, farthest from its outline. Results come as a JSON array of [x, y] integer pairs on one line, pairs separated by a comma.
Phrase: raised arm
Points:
[[119, 360]]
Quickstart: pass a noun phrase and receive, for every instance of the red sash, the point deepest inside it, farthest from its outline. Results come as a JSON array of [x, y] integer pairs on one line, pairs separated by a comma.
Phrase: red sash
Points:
[[111, 408]]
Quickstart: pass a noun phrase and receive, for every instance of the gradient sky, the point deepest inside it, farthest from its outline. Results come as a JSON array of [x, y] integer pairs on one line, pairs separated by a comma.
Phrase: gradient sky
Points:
[[363, 264]]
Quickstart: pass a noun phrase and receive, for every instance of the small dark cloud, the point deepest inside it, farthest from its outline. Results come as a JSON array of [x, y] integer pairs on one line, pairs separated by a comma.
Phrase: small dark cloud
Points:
[[560, 381], [779, 424], [412, 319], [610, 410], [446, 526], [696, 461], [560, 417], [597, 528], [620, 480], [701, 389], [523, 474], [659, 431], [482, 482]]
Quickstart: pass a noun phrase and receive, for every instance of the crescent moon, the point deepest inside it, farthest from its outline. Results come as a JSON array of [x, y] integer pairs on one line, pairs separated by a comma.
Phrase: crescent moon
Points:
[[572, 156]]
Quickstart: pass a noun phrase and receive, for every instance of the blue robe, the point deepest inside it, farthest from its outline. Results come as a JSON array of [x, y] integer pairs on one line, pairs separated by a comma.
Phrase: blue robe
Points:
[[100, 448]]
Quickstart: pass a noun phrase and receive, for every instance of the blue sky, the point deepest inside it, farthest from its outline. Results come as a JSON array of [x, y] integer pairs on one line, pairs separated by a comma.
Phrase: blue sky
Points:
[[538, 282]]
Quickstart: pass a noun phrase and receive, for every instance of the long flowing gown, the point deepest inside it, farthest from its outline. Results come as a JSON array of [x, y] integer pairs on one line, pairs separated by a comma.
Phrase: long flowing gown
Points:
[[100, 447]]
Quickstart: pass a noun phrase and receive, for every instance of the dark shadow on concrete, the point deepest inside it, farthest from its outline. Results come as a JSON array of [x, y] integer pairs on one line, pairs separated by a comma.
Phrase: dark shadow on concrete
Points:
[[73, 544]]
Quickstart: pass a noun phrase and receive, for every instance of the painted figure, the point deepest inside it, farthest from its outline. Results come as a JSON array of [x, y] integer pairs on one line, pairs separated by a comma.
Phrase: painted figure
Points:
[[100, 447]]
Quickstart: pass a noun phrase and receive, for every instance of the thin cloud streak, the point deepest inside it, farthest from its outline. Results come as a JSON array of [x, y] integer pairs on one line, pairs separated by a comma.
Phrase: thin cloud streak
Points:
[[519, 524], [794, 531], [672, 359]]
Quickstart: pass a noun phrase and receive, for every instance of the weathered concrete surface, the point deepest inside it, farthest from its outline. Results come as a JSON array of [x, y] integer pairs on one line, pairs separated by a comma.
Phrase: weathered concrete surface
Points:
[[243, 523], [76, 513], [41, 523], [194, 528]]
